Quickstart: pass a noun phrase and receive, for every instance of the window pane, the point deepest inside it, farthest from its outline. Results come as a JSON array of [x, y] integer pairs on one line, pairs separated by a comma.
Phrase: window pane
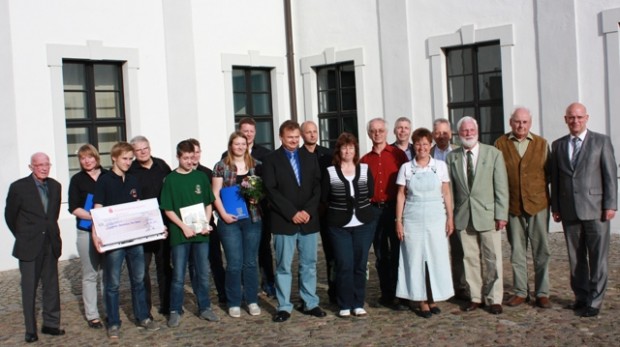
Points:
[[489, 59], [240, 104], [457, 113], [491, 123], [107, 105], [328, 101], [260, 80], [329, 131], [461, 89], [75, 105], [238, 80], [107, 136], [347, 76], [490, 85], [106, 77], [349, 124], [261, 105], [264, 133], [459, 62], [327, 78], [73, 76], [75, 138], [348, 100]]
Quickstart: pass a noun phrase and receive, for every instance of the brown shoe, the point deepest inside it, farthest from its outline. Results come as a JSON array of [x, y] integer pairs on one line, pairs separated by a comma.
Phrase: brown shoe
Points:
[[543, 302], [472, 306], [495, 309], [515, 300]]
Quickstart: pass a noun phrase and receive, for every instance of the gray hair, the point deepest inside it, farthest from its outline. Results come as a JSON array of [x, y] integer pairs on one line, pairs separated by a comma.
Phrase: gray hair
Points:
[[467, 119], [512, 116], [440, 121], [402, 119], [137, 139], [376, 119]]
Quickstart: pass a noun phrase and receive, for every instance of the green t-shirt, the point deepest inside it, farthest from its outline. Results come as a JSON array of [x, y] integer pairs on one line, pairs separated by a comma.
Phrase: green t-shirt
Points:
[[182, 190]]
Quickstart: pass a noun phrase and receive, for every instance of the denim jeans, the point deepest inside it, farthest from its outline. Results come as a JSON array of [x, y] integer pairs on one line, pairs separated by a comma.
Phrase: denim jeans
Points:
[[285, 250], [241, 240], [112, 274], [200, 257], [351, 246]]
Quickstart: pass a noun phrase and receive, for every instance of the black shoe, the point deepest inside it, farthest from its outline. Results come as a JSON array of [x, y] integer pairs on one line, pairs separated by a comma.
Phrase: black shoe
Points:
[[495, 309], [30, 338], [389, 303], [281, 316], [425, 314], [52, 331], [316, 312], [95, 323], [399, 306], [577, 306], [590, 312], [435, 310]]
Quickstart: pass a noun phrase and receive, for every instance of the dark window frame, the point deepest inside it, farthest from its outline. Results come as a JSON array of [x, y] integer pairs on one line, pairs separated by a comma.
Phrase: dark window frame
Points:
[[476, 104], [248, 92]]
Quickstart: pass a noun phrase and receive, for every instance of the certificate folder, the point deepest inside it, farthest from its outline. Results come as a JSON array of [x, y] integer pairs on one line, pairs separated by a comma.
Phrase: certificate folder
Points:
[[88, 205], [233, 202]]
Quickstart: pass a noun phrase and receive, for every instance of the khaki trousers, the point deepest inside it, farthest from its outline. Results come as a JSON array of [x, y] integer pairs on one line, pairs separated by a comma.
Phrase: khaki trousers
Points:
[[483, 265]]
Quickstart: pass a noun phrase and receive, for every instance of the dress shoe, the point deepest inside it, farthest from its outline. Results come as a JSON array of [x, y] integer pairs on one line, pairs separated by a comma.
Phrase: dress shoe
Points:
[[472, 306], [400, 306], [577, 306], [281, 316], [316, 312], [52, 331], [543, 302], [515, 300], [31, 338], [425, 314], [495, 309], [435, 310], [590, 312]]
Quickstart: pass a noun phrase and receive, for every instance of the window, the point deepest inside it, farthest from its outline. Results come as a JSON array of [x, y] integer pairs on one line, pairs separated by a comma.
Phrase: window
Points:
[[94, 108], [252, 98], [475, 87], [337, 102]]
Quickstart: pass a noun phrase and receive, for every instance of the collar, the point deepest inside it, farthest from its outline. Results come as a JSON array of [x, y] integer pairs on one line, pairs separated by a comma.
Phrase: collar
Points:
[[529, 136], [581, 136], [431, 162], [475, 150]]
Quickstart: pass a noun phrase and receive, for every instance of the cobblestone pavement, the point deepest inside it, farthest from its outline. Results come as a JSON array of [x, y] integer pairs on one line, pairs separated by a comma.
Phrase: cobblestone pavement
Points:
[[525, 325]]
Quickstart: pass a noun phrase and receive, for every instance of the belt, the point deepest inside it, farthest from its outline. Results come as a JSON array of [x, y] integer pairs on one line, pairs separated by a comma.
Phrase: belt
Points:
[[382, 204]]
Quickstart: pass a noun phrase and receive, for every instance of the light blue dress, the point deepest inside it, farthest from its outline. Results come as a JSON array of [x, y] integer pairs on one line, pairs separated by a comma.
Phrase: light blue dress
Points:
[[425, 241]]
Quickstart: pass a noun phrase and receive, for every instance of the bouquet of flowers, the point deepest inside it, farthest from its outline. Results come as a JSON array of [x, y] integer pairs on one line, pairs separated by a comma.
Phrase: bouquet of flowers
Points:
[[252, 189]]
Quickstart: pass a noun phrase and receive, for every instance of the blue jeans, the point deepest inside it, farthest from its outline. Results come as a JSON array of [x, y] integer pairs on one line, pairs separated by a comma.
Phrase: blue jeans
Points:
[[285, 249], [112, 278], [241, 240], [351, 246], [200, 257]]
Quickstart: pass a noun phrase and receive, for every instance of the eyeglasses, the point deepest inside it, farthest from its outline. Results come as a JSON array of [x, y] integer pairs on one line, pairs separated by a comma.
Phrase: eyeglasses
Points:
[[45, 165], [142, 149]]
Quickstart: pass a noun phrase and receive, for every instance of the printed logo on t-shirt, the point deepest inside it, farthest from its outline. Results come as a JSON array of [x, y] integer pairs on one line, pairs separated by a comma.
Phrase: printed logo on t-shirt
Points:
[[133, 193], [198, 190]]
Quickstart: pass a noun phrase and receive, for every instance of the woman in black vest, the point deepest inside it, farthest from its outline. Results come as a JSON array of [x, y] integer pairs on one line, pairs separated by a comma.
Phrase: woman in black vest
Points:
[[347, 189]]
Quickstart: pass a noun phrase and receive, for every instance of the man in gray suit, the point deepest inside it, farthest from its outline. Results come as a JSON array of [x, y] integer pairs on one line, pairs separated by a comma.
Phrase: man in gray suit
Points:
[[480, 190], [584, 191]]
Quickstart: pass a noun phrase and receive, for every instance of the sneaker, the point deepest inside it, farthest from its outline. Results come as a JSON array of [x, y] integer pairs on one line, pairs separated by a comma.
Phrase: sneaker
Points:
[[360, 312], [344, 313], [234, 311], [254, 309], [209, 315], [114, 332], [149, 325], [174, 320]]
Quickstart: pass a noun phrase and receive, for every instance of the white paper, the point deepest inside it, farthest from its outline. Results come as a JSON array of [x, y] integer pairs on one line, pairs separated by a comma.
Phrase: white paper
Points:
[[194, 216], [128, 224]]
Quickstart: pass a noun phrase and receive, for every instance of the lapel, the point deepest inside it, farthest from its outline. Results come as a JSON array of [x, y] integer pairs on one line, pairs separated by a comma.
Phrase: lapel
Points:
[[480, 163], [32, 186], [562, 155], [457, 166], [582, 151]]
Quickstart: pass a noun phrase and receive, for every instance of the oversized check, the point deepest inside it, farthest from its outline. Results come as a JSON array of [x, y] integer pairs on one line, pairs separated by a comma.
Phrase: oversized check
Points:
[[128, 224]]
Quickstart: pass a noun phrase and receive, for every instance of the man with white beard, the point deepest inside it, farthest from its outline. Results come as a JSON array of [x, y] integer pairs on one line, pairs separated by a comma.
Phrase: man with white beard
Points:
[[480, 191]]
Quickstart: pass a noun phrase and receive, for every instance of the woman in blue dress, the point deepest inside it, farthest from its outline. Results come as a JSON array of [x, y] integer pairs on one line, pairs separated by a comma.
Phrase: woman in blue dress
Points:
[[423, 224]]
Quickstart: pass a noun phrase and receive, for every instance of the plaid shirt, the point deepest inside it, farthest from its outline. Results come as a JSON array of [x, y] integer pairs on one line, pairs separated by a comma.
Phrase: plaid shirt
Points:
[[230, 179]]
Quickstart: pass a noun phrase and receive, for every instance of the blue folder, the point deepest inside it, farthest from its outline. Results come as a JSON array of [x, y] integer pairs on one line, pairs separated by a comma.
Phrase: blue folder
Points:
[[88, 204], [233, 202]]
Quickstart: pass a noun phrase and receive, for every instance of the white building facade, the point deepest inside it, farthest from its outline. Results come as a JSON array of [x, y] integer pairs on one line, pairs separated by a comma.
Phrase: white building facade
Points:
[[76, 71]]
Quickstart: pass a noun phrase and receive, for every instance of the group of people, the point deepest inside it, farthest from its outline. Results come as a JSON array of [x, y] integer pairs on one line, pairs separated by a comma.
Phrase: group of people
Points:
[[433, 212]]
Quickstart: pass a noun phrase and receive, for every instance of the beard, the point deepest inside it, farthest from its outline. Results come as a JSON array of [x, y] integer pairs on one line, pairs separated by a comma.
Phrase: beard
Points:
[[468, 143]]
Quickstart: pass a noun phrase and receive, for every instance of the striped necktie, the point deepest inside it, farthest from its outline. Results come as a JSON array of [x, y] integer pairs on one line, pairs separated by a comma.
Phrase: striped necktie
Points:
[[295, 165], [576, 149], [470, 169]]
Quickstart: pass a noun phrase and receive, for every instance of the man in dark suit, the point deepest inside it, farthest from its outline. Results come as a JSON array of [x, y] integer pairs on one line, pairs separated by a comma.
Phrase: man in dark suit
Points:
[[584, 195], [32, 209], [310, 134], [292, 179]]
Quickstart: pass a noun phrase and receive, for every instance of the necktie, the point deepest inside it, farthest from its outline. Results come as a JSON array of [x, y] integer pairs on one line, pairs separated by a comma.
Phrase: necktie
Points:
[[295, 165], [470, 169], [576, 149], [43, 193]]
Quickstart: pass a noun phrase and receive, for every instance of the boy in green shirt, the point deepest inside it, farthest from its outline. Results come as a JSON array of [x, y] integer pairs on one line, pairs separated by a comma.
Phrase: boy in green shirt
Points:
[[189, 232]]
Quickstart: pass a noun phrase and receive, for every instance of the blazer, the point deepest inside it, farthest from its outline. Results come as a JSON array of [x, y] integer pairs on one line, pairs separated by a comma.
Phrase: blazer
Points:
[[27, 220], [584, 192], [488, 199], [286, 197], [432, 152]]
